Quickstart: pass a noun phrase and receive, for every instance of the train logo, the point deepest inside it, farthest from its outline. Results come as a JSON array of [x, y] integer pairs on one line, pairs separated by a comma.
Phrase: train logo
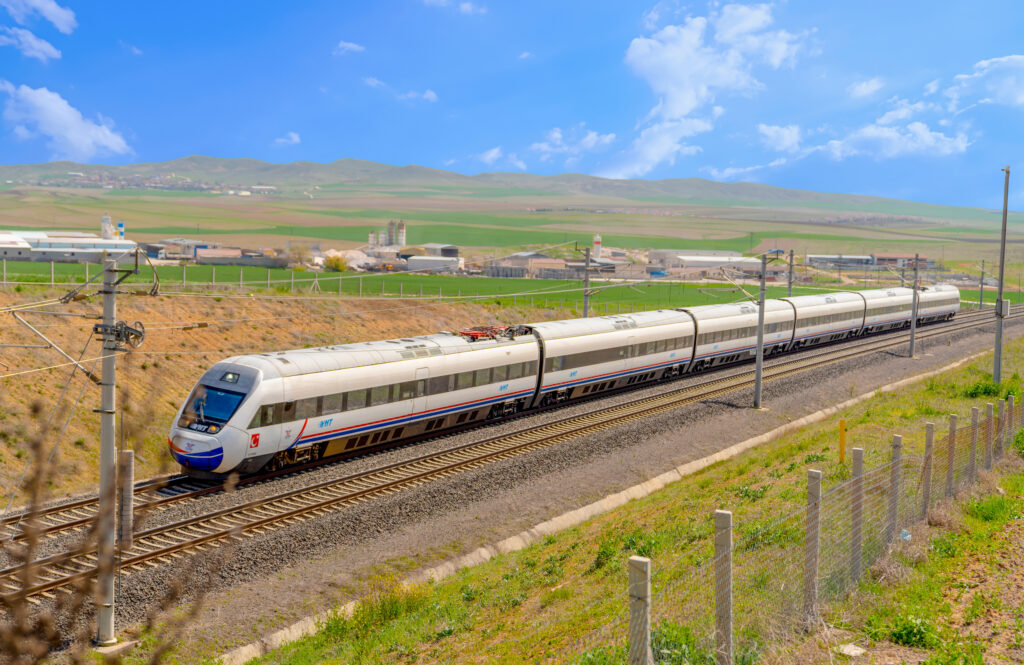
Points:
[[254, 440]]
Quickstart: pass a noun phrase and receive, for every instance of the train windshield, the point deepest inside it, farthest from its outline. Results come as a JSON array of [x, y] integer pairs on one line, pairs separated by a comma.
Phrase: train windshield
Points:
[[208, 405]]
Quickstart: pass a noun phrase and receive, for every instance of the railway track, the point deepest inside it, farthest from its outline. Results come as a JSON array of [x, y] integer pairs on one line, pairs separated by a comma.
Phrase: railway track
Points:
[[59, 572]]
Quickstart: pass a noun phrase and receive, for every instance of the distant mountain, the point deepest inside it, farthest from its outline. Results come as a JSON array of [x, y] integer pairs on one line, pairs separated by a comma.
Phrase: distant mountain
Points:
[[298, 176]]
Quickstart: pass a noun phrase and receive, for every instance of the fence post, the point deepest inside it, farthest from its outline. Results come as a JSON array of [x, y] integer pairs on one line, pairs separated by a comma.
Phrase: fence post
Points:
[[268, 278], [241, 284], [723, 587], [52, 282], [213, 274], [812, 546], [972, 464], [988, 435], [951, 455], [856, 514], [401, 290], [926, 480], [894, 487], [339, 285], [5, 272], [183, 274], [1000, 430], [1008, 438], [842, 440], [291, 287], [640, 611]]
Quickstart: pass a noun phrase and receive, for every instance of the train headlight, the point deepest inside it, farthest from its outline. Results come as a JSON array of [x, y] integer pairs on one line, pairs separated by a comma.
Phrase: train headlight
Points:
[[214, 429]]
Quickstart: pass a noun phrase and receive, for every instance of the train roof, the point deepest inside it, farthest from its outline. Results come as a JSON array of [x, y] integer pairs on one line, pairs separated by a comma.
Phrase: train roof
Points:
[[724, 310], [361, 354], [610, 323], [832, 298], [881, 294]]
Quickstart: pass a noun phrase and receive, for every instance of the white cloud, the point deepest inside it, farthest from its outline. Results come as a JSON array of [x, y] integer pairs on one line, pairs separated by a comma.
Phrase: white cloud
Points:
[[290, 138], [38, 112], [436, 3], [999, 80], [344, 47], [734, 172], [449, 162], [490, 156], [524, 55], [783, 139], [427, 95], [555, 143], [686, 70], [886, 142], [374, 82], [516, 162], [744, 27], [903, 110], [29, 45], [931, 87], [866, 88], [62, 18], [470, 8], [134, 50]]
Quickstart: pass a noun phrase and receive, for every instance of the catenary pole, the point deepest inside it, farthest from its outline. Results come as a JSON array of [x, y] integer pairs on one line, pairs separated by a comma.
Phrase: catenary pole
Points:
[[108, 403], [789, 289], [981, 286], [586, 283], [1002, 308], [759, 363], [913, 309]]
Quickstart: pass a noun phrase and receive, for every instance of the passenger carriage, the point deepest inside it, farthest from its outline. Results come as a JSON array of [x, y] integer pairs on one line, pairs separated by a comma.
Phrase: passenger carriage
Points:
[[727, 333]]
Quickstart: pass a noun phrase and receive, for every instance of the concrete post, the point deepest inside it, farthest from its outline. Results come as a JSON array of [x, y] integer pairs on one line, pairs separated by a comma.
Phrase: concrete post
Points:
[[640, 611], [1000, 430], [213, 274], [291, 287], [856, 514], [52, 282], [183, 274], [812, 546], [723, 587], [108, 464], [401, 290], [126, 509], [894, 488], [1010, 432], [972, 463], [268, 278], [241, 284], [5, 272], [951, 455], [926, 475], [989, 418], [381, 288]]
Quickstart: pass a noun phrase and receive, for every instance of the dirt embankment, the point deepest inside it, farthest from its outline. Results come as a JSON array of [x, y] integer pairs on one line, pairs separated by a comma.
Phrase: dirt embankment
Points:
[[154, 379]]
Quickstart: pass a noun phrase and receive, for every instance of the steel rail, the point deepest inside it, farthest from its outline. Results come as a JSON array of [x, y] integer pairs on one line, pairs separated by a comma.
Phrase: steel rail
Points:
[[255, 517]]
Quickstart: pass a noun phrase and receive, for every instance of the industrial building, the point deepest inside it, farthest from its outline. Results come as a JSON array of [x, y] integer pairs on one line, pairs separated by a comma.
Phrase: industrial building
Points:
[[67, 246]]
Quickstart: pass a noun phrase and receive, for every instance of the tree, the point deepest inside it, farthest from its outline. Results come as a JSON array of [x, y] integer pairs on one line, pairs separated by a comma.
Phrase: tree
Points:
[[335, 263]]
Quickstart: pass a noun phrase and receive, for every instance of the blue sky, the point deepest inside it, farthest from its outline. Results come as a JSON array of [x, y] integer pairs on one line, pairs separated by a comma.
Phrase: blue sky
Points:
[[915, 100]]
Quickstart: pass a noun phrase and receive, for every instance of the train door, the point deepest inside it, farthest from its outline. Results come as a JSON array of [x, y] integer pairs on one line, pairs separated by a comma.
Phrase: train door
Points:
[[419, 403], [264, 431]]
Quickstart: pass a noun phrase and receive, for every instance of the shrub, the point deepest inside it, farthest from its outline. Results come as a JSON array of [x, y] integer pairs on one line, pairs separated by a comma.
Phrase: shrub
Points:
[[981, 388], [335, 263], [995, 508], [912, 631], [606, 551]]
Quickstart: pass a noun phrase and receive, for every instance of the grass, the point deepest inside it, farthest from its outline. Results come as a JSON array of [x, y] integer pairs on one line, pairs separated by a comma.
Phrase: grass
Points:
[[514, 608]]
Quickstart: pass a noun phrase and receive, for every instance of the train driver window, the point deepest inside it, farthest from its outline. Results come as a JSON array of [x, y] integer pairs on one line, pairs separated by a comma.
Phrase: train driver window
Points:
[[264, 416], [379, 395]]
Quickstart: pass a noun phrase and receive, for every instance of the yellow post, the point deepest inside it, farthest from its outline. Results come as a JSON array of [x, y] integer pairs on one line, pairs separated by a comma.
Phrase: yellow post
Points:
[[842, 440]]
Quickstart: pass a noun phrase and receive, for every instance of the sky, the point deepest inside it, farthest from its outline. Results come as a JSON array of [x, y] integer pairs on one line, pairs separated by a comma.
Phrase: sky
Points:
[[912, 100]]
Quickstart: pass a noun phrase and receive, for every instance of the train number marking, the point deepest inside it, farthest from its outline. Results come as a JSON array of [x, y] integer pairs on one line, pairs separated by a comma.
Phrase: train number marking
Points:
[[254, 440], [327, 422]]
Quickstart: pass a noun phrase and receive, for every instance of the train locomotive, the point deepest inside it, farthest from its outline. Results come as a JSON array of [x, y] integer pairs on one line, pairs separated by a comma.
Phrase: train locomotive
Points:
[[270, 410]]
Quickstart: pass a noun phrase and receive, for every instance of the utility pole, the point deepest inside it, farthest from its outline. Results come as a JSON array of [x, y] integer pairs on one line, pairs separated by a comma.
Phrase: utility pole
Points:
[[789, 290], [586, 283], [913, 310], [1002, 308], [108, 470], [981, 286], [759, 362]]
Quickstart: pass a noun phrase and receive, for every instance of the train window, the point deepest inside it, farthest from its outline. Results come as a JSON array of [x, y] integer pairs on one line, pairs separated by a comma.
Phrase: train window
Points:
[[515, 370], [650, 348], [500, 373], [483, 377], [333, 403], [660, 345], [288, 412], [406, 390], [355, 399], [305, 408], [463, 380], [379, 395], [554, 364], [421, 387], [530, 367], [439, 384]]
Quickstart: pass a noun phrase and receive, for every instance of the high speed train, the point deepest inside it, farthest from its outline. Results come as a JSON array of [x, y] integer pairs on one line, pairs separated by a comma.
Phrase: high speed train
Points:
[[276, 409]]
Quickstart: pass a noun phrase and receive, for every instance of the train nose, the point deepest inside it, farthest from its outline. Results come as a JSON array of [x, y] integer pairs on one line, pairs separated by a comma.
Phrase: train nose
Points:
[[196, 452]]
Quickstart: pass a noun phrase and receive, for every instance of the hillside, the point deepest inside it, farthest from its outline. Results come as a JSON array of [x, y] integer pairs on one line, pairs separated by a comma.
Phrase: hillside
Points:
[[297, 176]]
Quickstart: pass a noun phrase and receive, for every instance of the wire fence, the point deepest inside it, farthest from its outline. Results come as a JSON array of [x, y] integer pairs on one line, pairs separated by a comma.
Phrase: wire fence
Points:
[[765, 584]]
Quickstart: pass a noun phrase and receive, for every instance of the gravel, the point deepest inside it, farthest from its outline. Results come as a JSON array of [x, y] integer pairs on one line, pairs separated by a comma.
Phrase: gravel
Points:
[[267, 580]]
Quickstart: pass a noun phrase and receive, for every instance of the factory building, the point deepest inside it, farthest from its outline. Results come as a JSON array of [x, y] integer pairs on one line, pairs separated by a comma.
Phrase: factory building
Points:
[[67, 246]]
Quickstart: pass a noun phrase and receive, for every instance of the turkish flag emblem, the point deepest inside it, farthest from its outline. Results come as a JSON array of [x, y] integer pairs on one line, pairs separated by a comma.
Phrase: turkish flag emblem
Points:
[[254, 441]]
